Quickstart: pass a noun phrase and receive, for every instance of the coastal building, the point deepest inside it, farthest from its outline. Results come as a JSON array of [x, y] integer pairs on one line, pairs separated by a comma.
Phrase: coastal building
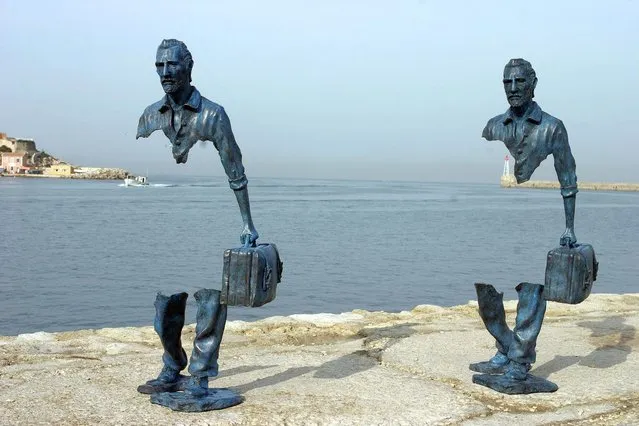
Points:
[[35, 160], [20, 156], [14, 162], [16, 154], [15, 145], [62, 170]]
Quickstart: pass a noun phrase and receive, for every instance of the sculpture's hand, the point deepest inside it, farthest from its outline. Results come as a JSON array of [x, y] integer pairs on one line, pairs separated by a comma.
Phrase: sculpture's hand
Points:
[[568, 238], [249, 236]]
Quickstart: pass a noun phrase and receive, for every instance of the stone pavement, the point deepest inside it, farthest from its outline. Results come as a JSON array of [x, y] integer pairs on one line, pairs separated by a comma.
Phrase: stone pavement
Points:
[[358, 368]]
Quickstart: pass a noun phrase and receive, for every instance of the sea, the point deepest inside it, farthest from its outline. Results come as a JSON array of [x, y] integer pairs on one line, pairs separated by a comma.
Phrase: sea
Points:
[[80, 254]]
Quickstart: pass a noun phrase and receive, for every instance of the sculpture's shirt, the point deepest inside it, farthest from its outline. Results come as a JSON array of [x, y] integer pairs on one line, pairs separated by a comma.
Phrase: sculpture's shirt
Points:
[[197, 120], [530, 139]]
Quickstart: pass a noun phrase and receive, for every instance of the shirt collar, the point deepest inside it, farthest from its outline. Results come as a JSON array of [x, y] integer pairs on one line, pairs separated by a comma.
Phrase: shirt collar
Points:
[[533, 114], [193, 103]]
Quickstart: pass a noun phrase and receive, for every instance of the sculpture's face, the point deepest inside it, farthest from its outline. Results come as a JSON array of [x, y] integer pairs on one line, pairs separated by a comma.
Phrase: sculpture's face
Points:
[[519, 86], [172, 69]]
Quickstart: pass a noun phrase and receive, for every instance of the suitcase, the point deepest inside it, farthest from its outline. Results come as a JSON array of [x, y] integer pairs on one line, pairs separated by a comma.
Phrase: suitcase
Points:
[[570, 272], [250, 275]]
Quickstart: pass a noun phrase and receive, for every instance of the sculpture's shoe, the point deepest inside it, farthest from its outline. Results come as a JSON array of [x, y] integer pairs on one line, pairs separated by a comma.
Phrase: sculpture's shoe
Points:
[[488, 367], [213, 399], [499, 364], [517, 371], [197, 386], [496, 365], [168, 380], [505, 384]]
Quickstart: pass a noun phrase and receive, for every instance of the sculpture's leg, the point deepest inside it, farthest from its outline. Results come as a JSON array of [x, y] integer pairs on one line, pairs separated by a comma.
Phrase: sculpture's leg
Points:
[[211, 320], [169, 320], [521, 353], [491, 311], [531, 308]]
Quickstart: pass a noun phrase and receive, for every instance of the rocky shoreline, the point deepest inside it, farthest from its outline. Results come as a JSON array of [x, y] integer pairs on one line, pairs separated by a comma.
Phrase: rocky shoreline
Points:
[[103, 174], [353, 368]]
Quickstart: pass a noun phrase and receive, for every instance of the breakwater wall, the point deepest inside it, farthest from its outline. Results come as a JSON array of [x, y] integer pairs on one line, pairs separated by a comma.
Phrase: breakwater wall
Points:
[[510, 182]]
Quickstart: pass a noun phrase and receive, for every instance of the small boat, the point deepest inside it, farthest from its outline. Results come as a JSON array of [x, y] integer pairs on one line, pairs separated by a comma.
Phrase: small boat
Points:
[[136, 181]]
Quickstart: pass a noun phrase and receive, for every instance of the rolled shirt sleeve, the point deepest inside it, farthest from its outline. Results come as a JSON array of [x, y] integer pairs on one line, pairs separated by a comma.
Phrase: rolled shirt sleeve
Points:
[[143, 130], [487, 132], [564, 162], [229, 151], [150, 120]]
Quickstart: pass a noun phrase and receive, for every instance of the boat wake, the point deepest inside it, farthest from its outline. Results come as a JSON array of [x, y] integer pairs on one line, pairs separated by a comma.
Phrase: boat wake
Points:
[[151, 185]]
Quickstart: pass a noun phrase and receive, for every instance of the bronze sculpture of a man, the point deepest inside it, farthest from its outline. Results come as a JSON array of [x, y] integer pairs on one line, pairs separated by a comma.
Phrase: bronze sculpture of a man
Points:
[[186, 117], [530, 135]]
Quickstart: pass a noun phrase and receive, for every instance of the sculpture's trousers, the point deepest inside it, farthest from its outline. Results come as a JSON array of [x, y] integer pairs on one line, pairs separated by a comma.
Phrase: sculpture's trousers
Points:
[[169, 320], [518, 344], [211, 320]]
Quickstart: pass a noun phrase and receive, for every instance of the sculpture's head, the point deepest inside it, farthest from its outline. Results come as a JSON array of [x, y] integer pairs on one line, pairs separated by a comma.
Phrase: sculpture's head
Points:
[[173, 63], [520, 81]]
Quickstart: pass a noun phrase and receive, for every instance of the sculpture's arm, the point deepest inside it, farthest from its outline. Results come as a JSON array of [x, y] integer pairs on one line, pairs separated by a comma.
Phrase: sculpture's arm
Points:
[[566, 173], [231, 158]]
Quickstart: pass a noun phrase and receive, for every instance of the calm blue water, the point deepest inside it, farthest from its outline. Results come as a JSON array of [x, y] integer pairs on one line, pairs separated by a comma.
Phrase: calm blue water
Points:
[[89, 254]]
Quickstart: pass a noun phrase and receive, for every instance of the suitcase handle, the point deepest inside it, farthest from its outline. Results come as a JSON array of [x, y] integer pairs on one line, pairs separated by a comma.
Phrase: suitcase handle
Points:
[[247, 244]]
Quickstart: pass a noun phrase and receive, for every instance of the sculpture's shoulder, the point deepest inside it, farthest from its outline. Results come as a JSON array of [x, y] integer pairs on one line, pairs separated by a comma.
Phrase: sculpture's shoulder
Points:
[[210, 108], [490, 131], [153, 110], [552, 122], [150, 119], [212, 123], [212, 117]]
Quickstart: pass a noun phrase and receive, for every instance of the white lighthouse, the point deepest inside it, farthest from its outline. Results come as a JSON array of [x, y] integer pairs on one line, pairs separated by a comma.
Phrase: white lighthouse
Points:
[[507, 179]]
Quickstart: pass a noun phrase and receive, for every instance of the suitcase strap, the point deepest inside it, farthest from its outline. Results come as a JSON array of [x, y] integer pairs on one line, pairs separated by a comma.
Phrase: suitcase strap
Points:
[[266, 281]]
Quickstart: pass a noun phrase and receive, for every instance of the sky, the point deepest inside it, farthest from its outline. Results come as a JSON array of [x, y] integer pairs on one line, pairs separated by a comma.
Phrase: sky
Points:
[[333, 89]]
